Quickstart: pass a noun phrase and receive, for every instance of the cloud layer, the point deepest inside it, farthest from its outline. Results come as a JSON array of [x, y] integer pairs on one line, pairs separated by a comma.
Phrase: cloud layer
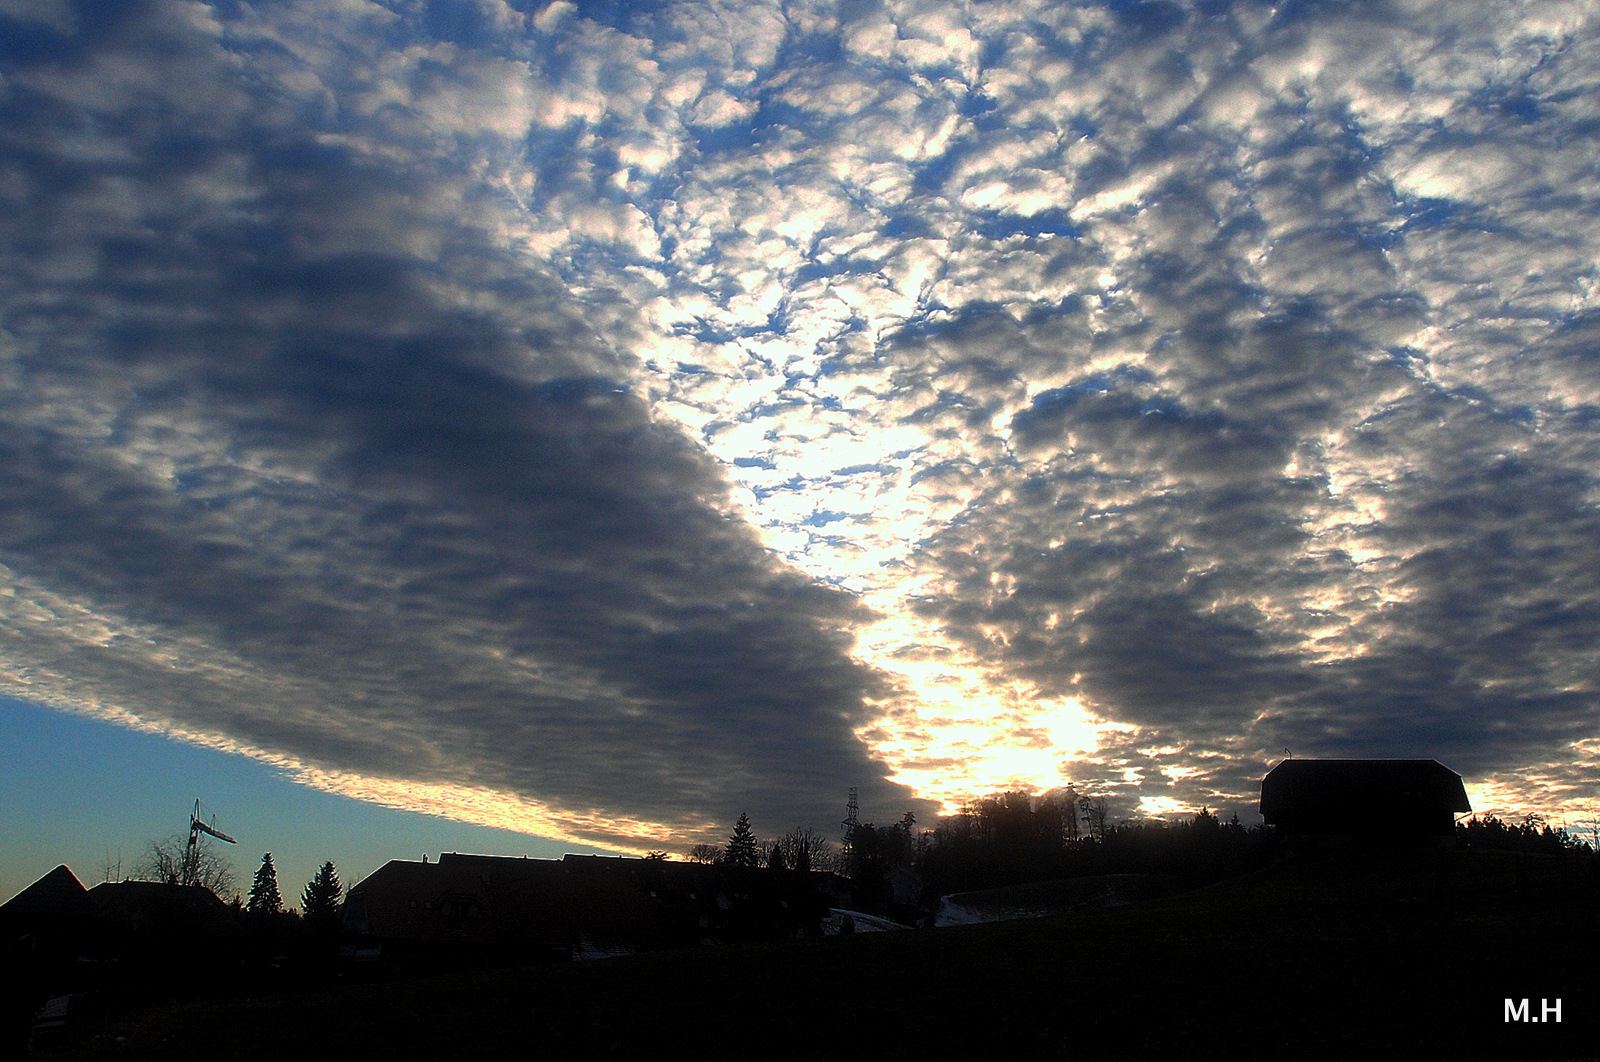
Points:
[[606, 418]]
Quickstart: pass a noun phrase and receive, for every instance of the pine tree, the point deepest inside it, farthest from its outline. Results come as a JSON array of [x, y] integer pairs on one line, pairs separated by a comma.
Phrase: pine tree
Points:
[[319, 903], [742, 850], [265, 900]]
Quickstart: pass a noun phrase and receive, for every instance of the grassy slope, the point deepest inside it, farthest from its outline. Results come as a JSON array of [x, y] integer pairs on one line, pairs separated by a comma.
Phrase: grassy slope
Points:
[[1304, 961]]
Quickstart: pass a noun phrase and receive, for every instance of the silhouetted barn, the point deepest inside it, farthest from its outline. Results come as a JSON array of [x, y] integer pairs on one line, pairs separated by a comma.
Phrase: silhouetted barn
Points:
[[1369, 801]]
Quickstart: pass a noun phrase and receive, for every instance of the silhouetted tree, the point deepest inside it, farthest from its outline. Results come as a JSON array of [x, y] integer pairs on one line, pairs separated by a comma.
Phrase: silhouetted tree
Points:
[[742, 850], [265, 900], [1063, 806], [163, 861], [775, 857], [1011, 838], [1096, 816], [806, 849], [1532, 835], [319, 902], [705, 853]]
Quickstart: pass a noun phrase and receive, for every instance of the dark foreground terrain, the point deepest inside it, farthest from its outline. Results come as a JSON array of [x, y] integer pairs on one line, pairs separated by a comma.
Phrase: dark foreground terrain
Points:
[[1316, 958]]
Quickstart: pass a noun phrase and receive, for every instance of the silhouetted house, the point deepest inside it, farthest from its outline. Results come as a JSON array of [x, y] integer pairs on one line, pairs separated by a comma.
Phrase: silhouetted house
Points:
[[156, 912], [43, 930], [116, 919], [64, 944], [490, 909], [1365, 801], [55, 900], [467, 908]]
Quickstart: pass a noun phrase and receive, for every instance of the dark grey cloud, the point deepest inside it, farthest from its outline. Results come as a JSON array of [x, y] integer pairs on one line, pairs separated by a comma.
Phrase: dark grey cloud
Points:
[[336, 478]]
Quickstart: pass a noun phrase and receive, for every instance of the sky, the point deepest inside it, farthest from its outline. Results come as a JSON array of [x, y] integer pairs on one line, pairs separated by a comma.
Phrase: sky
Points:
[[592, 421], [94, 796]]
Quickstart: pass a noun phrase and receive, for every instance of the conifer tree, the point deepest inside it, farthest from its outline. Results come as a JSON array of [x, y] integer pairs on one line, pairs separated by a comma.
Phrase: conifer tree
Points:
[[265, 899], [319, 903], [741, 850]]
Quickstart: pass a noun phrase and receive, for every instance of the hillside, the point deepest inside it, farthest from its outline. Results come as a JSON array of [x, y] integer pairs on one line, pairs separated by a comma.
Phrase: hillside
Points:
[[1395, 957]]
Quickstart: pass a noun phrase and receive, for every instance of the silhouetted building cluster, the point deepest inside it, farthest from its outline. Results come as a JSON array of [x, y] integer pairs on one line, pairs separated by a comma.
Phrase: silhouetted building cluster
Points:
[[473, 908], [63, 941]]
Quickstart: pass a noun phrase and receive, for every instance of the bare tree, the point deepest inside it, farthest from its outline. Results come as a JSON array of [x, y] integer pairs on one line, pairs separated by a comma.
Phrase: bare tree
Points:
[[805, 849], [1063, 803], [1095, 816], [1588, 824], [163, 861], [705, 853]]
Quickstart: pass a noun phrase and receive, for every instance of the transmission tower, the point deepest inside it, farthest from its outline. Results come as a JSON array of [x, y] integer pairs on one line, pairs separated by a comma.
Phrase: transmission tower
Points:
[[852, 821]]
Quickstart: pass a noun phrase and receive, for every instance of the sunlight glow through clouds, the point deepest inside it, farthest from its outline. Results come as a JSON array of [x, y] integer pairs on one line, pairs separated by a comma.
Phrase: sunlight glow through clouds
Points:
[[1159, 806], [951, 734]]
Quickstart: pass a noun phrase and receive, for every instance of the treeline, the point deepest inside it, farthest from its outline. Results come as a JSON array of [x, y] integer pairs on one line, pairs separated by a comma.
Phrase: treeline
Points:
[[1532, 834], [1013, 838], [266, 933], [1005, 839], [802, 848]]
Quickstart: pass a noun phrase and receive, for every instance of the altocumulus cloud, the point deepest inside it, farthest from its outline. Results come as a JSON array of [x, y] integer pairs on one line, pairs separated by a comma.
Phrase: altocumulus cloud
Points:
[[599, 417], [299, 458]]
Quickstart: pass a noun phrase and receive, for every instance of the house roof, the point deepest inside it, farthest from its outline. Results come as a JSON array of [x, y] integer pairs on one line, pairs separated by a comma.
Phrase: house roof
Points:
[[1298, 787], [139, 899], [484, 899], [58, 893]]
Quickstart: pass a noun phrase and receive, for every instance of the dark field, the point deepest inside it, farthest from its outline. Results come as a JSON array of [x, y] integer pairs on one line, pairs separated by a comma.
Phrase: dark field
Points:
[[1360, 957]]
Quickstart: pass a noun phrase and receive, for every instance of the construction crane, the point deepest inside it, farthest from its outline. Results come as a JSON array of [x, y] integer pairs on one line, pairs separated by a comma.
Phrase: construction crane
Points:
[[191, 855]]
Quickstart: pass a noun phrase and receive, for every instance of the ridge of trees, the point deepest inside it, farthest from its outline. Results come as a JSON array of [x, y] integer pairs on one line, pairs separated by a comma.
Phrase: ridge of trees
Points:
[[1005, 839], [1532, 834]]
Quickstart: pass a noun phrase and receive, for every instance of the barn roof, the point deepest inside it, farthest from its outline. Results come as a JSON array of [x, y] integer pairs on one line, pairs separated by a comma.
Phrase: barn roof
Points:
[[1297, 786]]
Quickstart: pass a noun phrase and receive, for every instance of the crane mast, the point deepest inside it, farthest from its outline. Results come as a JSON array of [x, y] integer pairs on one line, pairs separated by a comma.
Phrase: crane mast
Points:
[[191, 855]]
